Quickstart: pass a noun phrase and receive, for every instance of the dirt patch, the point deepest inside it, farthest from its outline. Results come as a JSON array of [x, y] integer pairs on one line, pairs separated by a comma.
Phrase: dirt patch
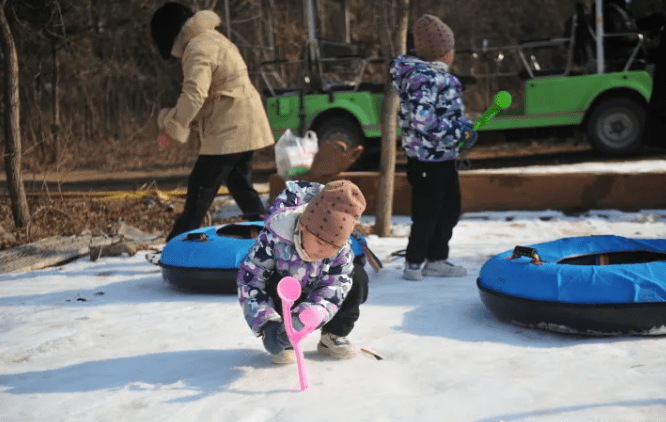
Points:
[[60, 215], [108, 166]]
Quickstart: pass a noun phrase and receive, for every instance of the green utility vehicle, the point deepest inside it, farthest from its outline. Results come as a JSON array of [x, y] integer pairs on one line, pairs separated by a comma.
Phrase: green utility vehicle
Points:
[[351, 116], [332, 95], [602, 88]]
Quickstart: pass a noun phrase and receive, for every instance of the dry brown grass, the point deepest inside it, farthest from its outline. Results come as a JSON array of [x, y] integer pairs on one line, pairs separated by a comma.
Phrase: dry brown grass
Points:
[[56, 214], [61, 215]]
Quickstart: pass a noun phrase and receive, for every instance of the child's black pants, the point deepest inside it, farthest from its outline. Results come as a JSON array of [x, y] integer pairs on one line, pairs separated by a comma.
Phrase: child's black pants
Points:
[[436, 209]]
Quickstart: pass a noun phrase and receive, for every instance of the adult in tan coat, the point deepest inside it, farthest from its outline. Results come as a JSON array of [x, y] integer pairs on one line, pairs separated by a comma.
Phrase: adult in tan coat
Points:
[[219, 100]]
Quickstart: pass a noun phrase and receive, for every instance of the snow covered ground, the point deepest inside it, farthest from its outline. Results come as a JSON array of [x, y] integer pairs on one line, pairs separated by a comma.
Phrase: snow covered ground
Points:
[[629, 167], [110, 341]]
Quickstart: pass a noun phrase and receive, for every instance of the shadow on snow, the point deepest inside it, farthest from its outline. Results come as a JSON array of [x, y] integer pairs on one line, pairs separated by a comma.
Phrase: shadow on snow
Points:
[[574, 408], [199, 373], [452, 308]]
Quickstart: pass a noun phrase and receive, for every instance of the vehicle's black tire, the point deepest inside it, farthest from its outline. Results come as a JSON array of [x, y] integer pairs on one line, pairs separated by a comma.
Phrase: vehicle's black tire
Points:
[[615, 126], [345, 129]]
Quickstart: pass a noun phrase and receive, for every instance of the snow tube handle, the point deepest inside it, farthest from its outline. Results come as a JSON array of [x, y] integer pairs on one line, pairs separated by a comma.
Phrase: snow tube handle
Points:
[[200, 236], [527, 252]]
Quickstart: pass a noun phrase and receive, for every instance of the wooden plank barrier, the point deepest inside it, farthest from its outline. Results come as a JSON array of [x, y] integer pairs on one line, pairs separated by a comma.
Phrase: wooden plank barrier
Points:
[[568, 192]]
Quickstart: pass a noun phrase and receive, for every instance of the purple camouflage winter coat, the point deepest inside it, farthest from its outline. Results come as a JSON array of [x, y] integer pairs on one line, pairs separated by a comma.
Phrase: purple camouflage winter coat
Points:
[[324, 283], [431, 114]]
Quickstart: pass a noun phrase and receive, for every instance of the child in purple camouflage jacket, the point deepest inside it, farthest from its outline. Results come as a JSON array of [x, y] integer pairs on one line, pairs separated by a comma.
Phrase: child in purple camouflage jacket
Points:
[[434, 128], [307, 236]]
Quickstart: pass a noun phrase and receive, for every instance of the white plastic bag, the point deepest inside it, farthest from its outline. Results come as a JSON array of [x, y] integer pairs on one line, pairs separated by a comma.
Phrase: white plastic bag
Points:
[[294, 155]]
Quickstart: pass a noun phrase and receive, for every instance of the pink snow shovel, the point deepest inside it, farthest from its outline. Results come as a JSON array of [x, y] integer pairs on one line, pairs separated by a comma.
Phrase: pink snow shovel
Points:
[[289, 290]]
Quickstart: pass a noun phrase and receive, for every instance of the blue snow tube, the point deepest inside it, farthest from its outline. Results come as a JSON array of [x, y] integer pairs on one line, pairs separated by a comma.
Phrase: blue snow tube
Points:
[[587, 284], [206, 260]]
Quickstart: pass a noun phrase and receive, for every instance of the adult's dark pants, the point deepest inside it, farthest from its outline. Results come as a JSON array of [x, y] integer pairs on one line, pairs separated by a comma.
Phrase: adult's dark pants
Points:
[[436, 209], [343, 321], [208, 174]]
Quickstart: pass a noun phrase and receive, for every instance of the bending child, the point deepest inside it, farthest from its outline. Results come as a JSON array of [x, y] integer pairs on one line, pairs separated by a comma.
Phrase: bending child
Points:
[[307, 236], [218, 99]]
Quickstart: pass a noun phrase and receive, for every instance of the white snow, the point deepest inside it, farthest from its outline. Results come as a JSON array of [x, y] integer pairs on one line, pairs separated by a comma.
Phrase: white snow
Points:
[[110, 341], [642, 166]]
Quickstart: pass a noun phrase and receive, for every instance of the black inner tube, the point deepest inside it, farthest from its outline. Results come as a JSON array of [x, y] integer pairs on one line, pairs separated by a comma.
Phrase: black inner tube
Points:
[[614, 258], [240, 231]]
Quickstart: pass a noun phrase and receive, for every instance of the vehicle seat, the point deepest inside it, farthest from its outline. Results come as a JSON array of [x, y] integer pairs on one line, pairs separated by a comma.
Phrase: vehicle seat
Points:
[[338, 67], [618, 49], [336, 49], [584, 43], [624, 45], [570, 40]]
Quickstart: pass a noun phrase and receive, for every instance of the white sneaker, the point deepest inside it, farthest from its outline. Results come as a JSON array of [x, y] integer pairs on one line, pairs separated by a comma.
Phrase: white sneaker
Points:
[[336, 346], [443, 269], [285, 357], [412, 272]]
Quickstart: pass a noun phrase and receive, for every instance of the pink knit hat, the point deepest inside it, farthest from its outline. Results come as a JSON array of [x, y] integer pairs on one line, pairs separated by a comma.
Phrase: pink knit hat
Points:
[[432, 38], [332, 215]]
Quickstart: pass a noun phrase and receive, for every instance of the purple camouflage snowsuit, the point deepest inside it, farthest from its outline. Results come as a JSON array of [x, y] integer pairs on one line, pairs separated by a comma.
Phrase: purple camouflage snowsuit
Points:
[[431, 114], [324, 283], [433, 122]]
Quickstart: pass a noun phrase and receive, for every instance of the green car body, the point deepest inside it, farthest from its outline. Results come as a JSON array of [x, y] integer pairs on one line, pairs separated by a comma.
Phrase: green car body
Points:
[[567, 100], [363, 107], [602, 104]]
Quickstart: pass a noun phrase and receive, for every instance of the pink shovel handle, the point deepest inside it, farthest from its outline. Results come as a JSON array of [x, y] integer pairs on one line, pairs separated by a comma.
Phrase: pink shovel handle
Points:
[[289, 289]]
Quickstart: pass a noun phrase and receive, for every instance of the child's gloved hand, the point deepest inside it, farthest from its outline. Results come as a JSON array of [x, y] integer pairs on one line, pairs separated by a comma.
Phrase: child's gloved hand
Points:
[[467, 140], [274, 336], [470, 138], [163, 140]]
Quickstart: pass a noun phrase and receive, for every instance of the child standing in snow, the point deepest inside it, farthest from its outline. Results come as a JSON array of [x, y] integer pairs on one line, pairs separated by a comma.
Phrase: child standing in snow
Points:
[[306, 236], [434, 127]]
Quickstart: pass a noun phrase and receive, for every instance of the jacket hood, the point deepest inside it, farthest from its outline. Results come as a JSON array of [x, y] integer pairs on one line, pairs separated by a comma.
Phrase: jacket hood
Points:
[[406, 64], [197, 24], [283, 223]]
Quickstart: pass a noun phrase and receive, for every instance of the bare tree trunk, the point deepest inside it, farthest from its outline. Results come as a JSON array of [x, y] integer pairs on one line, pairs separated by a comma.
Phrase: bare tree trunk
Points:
[[106, 109], [270, 21], [12, 124], [259, 55], [36, 116], [57, 125], [390, 106], [117, 100], [227, 18]]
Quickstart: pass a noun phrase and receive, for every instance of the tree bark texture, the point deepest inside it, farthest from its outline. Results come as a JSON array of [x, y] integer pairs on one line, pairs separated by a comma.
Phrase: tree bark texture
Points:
[[12, 124]]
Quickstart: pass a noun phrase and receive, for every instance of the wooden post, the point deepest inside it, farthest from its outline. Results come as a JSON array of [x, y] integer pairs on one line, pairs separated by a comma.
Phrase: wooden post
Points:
[[390, 106], [387, 163]]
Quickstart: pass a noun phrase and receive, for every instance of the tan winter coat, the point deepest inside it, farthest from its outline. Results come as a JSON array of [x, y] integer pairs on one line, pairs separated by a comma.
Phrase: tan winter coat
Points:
[[217, 95]]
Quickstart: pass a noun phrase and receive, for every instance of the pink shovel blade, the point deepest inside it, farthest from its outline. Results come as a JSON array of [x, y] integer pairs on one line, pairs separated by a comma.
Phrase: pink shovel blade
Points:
[[289, 289]]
